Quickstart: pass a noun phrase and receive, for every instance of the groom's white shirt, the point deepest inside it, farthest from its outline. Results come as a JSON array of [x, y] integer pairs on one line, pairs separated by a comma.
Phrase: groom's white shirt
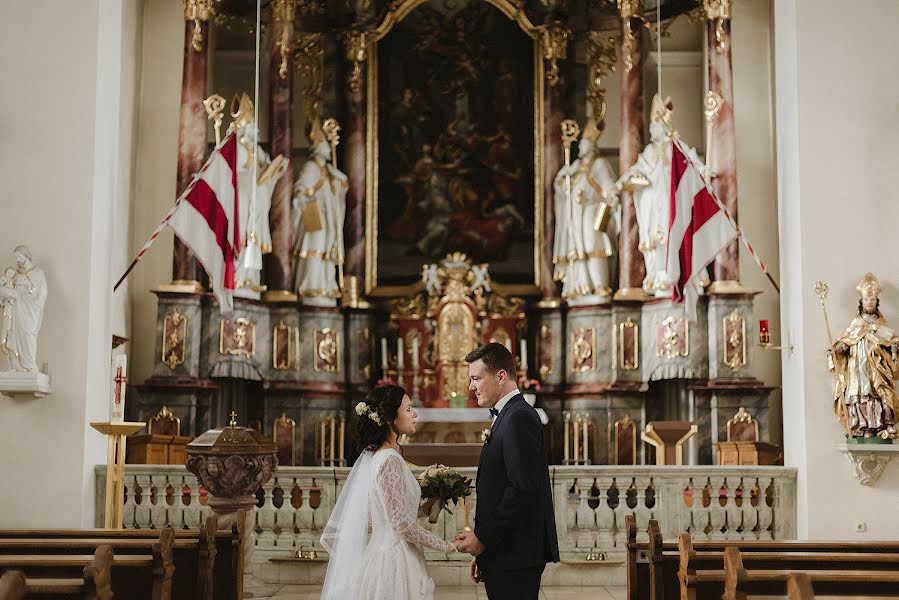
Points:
[[505, 400]]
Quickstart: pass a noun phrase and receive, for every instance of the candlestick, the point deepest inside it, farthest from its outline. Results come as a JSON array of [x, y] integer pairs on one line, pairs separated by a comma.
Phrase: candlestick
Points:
[[322, 442], [415, 363], [565, 435], [585, 439], [342, 437], [577, 453], [508, 345], [333, 438], [384, 356], [524, 356], [764, 334], [400, 360]]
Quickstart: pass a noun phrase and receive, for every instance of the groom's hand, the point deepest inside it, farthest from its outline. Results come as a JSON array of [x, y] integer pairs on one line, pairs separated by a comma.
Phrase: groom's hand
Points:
[[475, 572], [468, 542]]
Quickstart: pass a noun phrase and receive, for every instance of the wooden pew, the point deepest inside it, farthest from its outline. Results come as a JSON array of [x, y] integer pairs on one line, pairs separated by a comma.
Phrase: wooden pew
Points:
[[739, 582], [204, 566], [95, 582], [799, 587], [653, 567]]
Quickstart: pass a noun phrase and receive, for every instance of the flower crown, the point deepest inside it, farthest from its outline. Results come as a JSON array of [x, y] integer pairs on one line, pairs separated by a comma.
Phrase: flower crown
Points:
[[364, 410]]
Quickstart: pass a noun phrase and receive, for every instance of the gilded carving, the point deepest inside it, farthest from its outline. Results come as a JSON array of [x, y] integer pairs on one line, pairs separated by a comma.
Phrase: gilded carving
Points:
[[174, 339], [629, 9], [672, 338], [501, 336], [237, 338], [554, 42], [734, 348], [366, 352], [583, 350], [545, 352], [601, 58], [355, 44], [198, 11], [285, 346], [718, 11], [326, 351], [629, 345], [310, 59]]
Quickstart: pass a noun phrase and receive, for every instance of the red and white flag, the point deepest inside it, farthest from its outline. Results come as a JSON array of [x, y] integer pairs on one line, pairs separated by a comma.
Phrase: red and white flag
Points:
[[206, 218], [698, 230]]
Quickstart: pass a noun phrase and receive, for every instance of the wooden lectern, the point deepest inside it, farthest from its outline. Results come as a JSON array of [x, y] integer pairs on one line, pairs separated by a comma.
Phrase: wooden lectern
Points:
[[669, 438], [115, 469]]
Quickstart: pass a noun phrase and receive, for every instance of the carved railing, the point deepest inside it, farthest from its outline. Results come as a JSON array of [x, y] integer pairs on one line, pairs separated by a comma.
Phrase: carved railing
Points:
[[590, 502]]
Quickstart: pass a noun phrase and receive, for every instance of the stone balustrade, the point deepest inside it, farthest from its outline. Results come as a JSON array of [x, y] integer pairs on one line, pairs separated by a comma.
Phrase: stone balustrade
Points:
[[710, 502]]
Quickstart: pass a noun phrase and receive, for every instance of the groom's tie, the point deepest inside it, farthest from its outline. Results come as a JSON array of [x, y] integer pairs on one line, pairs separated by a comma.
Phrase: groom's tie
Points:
[[494, 412]]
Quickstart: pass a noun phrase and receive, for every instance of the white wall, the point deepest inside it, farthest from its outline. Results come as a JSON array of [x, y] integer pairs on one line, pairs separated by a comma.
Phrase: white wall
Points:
[[60, 161], [836, 117]]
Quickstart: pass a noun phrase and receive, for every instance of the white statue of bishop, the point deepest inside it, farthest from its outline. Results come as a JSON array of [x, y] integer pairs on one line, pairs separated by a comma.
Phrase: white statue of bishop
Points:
[[319, 206], [255, 233], [23, 294], [582, 248], [650, 180]]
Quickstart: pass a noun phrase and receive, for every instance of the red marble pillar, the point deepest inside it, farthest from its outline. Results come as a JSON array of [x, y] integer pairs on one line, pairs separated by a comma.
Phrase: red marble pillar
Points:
[[192, 126], [631, 269], [724, 146], [278, 265], [352, 158], [553, 114]]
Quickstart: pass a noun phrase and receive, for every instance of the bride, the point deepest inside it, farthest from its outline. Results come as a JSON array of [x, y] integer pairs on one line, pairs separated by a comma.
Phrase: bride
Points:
[[382, 492]]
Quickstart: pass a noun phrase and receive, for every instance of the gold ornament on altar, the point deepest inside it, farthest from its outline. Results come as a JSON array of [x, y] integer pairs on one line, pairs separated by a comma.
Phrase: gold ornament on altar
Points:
[[554, 39], [718, 11], [197, 11], [629, 9], [356, 51]]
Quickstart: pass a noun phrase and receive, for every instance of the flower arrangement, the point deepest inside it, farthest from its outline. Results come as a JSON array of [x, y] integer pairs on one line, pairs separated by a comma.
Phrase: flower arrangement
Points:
[[528, 385], [485, 435], [444, 484], [364, 410]]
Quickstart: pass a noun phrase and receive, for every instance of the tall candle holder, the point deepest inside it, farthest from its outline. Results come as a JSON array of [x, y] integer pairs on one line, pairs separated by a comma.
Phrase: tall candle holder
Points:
[[576, 438], [331, 440]]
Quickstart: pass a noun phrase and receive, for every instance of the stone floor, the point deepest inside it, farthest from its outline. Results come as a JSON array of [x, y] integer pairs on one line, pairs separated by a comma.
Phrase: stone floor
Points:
[[472, 592]]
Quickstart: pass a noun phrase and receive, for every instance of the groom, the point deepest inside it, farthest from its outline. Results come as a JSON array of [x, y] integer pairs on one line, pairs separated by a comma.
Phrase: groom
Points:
[[514, 528]]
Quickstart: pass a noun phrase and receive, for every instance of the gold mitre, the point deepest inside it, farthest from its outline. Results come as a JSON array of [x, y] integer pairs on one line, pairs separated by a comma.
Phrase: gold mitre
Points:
[[868, 286], [662, 110], [316, 133], [242, 110], [591, 130]]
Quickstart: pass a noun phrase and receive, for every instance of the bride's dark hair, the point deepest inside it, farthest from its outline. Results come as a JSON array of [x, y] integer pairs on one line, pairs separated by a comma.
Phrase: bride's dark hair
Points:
[[384, 403]]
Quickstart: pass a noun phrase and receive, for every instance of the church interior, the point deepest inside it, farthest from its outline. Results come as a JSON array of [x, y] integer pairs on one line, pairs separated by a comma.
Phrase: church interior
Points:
[[636, 197]]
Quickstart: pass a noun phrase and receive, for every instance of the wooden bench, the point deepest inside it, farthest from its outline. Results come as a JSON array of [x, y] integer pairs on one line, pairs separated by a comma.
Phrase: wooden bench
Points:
[[188, 565], [740, 582], [653, 567], [94, 583]]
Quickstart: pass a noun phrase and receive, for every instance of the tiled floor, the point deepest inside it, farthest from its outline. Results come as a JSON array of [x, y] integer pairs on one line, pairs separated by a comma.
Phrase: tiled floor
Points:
[[471, 592]]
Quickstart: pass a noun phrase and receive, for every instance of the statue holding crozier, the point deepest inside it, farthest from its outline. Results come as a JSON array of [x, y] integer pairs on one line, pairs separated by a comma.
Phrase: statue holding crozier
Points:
[[865, 361], [319, 205]]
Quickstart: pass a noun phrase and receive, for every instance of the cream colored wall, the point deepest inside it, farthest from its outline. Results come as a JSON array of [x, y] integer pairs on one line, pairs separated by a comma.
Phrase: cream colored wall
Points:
[[60, 120], [836, 105]]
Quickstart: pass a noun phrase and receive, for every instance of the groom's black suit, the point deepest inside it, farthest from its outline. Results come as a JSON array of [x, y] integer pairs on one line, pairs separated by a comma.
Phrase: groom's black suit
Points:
[[514, 518]]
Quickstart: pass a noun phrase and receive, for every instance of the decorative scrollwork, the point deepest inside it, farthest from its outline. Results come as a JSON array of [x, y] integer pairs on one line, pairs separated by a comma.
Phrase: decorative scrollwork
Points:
[[174, 339], [734, 349], [554, 42]]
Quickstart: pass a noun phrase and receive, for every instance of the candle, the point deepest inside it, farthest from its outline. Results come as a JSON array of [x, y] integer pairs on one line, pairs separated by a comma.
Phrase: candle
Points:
[[508, 344], [585, 439], [384, 356], [322, 438], [764, 335], [565, 435], [524, 355], [415, 362], [333, 438], [577, 450], [400, 361], [342, 436], [120, 368]]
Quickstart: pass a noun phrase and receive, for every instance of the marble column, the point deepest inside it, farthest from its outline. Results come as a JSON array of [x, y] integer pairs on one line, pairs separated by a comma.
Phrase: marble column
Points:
[[278, 265], [631, 269], [352, 159], [192, 126], [724, 146]]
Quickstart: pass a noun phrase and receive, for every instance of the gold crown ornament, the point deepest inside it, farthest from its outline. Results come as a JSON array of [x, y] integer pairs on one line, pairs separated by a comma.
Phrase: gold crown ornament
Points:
[[316, 133], [591, 130], [868, 286], [241, 110], [662, 110]]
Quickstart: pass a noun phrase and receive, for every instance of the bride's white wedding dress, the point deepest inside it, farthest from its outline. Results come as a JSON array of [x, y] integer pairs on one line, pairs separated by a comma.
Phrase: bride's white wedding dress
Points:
[[392, 564]]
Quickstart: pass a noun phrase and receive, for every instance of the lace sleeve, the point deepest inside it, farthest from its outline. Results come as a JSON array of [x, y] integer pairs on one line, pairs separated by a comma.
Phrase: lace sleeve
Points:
[[391, 489]]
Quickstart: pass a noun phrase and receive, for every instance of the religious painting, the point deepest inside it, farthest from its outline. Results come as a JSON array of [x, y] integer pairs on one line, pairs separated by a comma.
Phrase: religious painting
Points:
[[455, 123]]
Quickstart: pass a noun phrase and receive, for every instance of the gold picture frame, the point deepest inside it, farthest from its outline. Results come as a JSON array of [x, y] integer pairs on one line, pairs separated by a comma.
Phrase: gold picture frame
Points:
[[398, 11]]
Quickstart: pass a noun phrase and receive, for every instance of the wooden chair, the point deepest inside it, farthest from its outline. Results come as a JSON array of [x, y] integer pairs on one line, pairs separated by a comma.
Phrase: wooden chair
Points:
[[163, 443], [284, 435], [624, 441], [743, 446]]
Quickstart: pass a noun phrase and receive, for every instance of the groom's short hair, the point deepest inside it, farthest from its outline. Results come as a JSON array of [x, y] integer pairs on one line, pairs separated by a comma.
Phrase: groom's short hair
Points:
[[495, 357]]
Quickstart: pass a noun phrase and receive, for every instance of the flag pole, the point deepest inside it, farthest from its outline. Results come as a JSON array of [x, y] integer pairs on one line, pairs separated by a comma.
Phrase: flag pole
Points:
[[732, 221]]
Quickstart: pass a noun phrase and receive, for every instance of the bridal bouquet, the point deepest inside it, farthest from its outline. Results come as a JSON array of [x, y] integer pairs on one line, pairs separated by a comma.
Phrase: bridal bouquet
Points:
[[445, 485]]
